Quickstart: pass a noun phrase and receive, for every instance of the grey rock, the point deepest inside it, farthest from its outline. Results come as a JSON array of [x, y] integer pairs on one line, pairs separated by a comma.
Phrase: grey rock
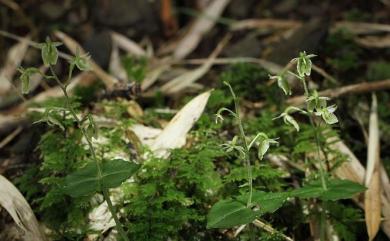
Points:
[[99, 45], [141, 15]]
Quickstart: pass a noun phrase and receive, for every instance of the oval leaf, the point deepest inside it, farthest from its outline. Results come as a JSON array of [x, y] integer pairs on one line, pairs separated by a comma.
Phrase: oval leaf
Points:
[[116, 171], [336, 189], [341, 189], [229, 213], [85, 181], [268, 202]]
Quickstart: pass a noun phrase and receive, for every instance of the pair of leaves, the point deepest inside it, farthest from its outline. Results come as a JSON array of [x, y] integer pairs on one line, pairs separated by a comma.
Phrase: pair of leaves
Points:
[[230, 213], [336, 189], [86, 180]]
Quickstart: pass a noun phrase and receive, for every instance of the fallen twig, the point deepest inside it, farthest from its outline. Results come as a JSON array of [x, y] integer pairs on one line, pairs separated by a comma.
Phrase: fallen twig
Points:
[[363, 87], [127, 44], [10, 137], [374, 41], [270, 229], [264, 23], [361, 27], [200, 27], [179, 83]]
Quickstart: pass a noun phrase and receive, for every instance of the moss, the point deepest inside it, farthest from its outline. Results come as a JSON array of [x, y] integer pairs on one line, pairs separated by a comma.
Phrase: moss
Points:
[[247, 80], [170, 197], [378, 70], [342, 53]]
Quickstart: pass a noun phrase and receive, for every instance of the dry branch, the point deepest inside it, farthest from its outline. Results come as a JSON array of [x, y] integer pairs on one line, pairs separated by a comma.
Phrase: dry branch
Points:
[[363, 87], [203, 24]]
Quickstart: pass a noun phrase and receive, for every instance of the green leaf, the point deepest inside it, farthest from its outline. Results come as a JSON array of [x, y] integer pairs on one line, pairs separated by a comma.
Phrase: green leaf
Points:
[[311, 190], [336, 189], [86, 181], [269, 202], [229, 213], [341, 189], [83, 181], [116, 171]]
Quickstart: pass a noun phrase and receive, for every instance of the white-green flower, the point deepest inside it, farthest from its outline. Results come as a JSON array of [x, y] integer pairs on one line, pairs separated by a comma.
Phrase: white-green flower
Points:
[[304, 64]]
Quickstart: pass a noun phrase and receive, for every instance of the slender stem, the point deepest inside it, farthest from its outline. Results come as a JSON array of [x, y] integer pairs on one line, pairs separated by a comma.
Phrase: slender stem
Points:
[[244, 140], [313, 124], [91, 149], [112, 210], [322, 225], [321, 169]]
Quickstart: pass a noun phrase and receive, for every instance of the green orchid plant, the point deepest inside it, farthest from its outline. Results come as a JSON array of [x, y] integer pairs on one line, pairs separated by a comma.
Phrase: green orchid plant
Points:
[[253, 204], [99, 175]]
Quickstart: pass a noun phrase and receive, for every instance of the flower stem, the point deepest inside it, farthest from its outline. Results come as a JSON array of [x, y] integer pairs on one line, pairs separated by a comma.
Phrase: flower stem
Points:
[[313, 124], [113, 213], [245, 142], [91, 148]]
